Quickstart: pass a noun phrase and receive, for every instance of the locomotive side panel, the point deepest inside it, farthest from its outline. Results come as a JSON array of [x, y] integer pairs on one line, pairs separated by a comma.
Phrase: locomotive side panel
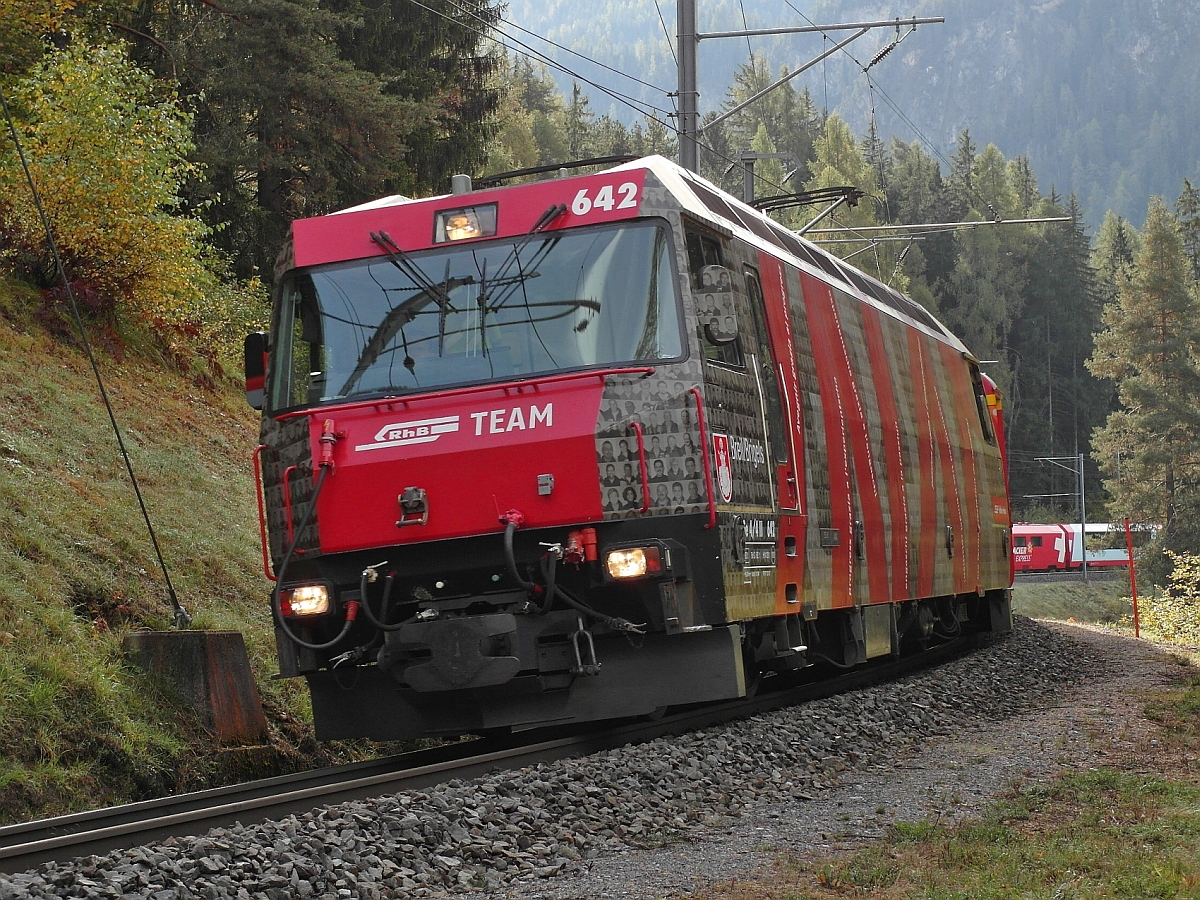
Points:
[[818, 553], [870, 544], [891, 439], [738, 445]]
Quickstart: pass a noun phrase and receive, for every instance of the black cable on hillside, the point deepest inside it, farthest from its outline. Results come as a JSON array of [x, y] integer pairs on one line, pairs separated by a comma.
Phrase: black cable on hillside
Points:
[[180, 617]]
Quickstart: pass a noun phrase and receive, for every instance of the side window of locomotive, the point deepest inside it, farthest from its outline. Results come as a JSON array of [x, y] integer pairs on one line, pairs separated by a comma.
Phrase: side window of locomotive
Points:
[[1036, 541], [297, 375], [1019, 542], [764, 361], [705, 250], [985, 415]]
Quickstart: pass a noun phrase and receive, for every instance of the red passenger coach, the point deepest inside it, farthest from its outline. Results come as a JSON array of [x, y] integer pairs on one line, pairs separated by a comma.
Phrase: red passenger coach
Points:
[[596, 446]]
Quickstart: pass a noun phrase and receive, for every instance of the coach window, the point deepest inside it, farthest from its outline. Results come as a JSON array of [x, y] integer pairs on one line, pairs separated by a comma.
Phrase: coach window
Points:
[[705, 250]]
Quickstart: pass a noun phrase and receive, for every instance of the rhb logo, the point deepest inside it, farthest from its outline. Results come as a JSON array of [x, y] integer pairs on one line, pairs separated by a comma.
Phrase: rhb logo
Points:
[[421, 431]]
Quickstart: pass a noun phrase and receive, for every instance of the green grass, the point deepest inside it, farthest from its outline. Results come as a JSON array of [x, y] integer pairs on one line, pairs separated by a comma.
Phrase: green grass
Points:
[[1100, 602], [79, 726]]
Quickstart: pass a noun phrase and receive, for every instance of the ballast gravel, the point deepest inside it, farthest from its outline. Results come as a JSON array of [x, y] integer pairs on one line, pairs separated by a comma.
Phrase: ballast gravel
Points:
[[494, 832]]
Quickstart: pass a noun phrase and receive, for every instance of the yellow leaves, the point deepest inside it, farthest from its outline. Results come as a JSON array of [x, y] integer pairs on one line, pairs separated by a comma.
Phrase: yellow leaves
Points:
[[1174, 615], [108, 151], [42, 15]]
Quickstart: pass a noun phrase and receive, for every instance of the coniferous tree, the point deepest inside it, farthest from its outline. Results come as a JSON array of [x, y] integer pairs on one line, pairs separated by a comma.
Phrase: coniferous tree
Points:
[[1187, 209], [917, 195], [304, 106], [435, 54], [960, 182], [1150, 447], [1113, 256]]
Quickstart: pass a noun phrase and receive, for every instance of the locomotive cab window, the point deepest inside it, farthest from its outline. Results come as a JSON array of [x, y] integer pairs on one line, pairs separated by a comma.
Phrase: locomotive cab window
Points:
[[1019, 542], [704, 250], [475, 313], [1036, 541], [981, 405], [297, 368]]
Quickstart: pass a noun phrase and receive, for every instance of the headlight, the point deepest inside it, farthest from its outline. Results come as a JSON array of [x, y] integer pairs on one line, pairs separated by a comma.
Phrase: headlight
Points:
[[633, 562], [304, 600]]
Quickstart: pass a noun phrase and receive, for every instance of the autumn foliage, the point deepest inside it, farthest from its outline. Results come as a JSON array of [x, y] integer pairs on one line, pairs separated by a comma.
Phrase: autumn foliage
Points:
[[1173, 614], [107, 147]]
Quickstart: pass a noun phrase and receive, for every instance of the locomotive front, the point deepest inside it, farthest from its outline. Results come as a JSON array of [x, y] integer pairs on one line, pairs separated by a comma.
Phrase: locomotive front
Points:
[[484, 494]]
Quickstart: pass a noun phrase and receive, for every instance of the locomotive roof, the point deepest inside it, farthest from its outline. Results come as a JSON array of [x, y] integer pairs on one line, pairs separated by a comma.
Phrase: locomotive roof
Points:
[[704, 201]]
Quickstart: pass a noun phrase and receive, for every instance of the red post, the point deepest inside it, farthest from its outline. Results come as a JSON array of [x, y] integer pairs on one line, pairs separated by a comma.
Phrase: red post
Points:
[[1137, 631]]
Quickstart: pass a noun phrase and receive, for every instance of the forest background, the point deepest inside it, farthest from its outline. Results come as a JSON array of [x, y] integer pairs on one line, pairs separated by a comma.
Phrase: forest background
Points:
[[173, 141]]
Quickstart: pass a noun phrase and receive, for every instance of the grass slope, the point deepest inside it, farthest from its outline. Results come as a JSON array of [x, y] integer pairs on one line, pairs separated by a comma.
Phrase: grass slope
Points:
[[1097, 602], [80, 727]]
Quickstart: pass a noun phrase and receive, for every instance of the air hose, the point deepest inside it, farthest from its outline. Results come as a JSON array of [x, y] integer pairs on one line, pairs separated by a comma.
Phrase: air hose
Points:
[[351, 607], [512, 521], [369, 575]]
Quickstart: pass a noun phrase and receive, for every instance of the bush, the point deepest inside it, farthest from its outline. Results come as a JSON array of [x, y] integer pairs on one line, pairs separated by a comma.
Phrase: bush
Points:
[[1174, 613], [108, 150]]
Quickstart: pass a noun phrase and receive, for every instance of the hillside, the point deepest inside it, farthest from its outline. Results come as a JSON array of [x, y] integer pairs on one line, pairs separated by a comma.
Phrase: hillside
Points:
[[1104, 97], [79, 727]]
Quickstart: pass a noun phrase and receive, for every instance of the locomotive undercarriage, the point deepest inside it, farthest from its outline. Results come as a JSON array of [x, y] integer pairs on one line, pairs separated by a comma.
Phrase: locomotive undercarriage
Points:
[[467, 652]]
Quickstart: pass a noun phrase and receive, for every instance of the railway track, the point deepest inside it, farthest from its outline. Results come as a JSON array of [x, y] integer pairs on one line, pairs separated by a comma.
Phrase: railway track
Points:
[[29, 844], [1106, 574]]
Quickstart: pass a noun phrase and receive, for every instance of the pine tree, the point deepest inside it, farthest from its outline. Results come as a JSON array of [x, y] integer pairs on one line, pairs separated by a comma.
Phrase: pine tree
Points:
[[961, 180], [1187, 209], [1150, 346], [433, 54], [1024, 182], [576, 123], [875, 152]]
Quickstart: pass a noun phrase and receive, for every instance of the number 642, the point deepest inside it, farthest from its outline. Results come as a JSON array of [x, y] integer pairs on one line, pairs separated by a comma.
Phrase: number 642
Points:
[[606, 199]]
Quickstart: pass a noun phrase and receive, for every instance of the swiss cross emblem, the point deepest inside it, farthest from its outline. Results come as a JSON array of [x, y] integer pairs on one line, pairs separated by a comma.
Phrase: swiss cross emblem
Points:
[[724, 466]]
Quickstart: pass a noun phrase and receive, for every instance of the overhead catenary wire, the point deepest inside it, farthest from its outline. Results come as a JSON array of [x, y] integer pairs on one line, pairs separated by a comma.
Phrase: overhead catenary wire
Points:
[[666, 32], [532, 53], [895, 107], [638, 106], [558, 46], [180, 617]]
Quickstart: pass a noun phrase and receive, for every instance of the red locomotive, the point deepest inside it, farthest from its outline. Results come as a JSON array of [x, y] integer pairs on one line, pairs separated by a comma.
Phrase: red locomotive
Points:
[[590, 447]]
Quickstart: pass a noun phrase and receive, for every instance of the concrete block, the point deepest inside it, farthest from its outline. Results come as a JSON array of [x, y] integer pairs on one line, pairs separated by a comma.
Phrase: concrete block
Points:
[[210, 672]]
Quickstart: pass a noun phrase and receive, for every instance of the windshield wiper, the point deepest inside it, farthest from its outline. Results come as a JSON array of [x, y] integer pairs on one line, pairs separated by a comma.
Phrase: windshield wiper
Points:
[[401, 315], [405, 264], [544, 221]]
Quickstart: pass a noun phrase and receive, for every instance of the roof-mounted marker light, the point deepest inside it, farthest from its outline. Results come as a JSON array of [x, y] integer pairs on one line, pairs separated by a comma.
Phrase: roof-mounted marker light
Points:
[[464, 224]]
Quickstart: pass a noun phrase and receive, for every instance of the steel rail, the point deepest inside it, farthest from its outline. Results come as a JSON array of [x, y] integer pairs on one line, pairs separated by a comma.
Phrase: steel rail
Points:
[[29, 844]]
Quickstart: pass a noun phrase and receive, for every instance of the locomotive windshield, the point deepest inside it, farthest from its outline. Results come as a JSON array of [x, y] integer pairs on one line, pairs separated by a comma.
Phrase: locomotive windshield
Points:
[[476, 313]]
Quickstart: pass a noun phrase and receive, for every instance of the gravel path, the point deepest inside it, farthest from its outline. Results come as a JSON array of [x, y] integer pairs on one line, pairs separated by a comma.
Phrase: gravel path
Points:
[[951, 777], [703, 807]]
